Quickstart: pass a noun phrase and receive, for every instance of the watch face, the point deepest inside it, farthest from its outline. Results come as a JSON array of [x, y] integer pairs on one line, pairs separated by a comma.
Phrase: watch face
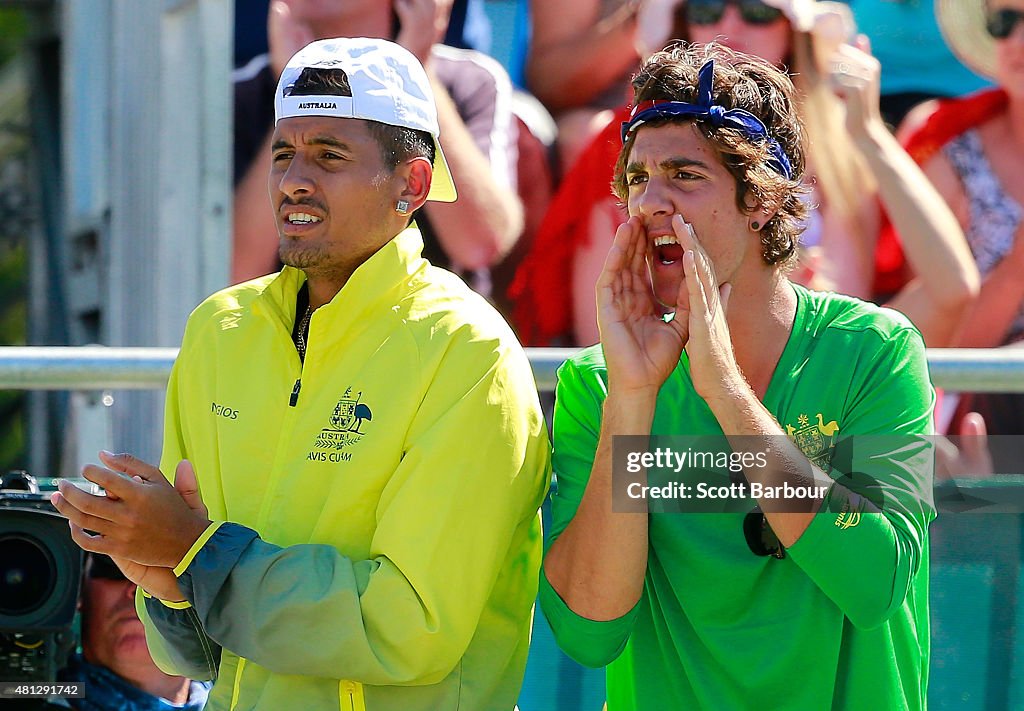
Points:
[[761, 539]]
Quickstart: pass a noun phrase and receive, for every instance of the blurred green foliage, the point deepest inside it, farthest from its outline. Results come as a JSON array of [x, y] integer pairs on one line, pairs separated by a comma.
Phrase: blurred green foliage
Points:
[[14, 27]]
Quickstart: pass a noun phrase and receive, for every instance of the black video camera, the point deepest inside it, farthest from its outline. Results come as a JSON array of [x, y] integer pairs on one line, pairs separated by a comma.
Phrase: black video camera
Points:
[[40, 576]]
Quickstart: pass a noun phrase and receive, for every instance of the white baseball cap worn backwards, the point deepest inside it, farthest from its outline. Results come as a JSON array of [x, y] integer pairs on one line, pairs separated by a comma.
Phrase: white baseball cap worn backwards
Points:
[[388, 86]]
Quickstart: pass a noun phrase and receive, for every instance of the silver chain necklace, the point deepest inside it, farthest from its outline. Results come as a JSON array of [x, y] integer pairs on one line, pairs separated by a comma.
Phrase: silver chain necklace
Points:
[[300, 341]]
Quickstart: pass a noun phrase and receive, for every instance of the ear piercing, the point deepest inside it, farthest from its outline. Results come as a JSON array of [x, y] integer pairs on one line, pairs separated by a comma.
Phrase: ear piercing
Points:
[[755, 225], [402, 207]]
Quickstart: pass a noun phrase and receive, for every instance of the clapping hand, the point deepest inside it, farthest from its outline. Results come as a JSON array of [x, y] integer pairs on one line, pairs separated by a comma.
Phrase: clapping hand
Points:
[[143, 522]]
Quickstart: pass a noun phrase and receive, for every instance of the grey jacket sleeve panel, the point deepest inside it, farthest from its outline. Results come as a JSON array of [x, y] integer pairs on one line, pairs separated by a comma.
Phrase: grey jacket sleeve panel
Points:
[[176, 640], [176, 636], [203, 579]]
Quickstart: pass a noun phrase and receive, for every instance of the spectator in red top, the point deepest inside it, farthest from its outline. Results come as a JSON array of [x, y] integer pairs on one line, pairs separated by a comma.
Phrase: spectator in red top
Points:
[[972, 149]]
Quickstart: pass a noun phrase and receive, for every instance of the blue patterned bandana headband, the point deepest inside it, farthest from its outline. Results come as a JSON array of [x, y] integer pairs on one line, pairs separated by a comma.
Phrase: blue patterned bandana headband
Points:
[[718, 116]]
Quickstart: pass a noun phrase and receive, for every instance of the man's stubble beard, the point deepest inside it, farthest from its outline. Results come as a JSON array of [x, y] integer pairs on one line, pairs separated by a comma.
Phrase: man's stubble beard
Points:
[[302, 256], [313, 260]]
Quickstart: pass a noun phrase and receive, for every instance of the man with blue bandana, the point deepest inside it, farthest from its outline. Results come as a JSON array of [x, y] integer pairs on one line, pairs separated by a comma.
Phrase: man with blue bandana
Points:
[[793, 573]]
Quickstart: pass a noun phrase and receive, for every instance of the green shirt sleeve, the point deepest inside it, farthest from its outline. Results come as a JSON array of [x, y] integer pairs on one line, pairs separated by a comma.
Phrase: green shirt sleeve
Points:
[[864, 560], [577, 424]]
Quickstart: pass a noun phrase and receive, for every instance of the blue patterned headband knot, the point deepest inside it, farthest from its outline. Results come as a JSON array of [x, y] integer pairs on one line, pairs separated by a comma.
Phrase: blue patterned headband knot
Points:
[[718, 116]]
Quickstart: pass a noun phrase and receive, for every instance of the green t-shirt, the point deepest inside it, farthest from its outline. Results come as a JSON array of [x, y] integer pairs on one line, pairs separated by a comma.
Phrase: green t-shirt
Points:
[[842, 620]]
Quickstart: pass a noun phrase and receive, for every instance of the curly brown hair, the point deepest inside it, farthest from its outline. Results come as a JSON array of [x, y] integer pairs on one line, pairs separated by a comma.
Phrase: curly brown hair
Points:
[[746, 82]]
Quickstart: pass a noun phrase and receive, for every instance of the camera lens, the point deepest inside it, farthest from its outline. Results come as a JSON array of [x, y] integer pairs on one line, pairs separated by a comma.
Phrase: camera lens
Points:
[[27, 575]]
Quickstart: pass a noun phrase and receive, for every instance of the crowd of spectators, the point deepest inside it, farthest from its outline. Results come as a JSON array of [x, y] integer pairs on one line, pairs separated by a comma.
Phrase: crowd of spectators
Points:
[[928, 224]]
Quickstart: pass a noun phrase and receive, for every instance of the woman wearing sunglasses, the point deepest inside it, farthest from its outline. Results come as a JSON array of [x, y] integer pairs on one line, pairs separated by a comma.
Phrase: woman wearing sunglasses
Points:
[[973, 150], [853, 162]]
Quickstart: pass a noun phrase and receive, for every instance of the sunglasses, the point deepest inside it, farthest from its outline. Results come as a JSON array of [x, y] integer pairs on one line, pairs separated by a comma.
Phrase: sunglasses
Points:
[[708, 12], [1000, 23]]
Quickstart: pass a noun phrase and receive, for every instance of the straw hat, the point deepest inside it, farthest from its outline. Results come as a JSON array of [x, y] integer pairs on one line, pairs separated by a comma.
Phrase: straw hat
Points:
[[963, 25]]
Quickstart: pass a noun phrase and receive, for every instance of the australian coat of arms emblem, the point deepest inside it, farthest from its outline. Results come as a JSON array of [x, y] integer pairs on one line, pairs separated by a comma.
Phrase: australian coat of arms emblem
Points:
[[345, 423]]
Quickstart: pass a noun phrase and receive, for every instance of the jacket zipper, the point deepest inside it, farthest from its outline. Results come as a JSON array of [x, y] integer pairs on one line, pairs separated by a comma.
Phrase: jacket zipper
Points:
[[294, 399], [351, 696]]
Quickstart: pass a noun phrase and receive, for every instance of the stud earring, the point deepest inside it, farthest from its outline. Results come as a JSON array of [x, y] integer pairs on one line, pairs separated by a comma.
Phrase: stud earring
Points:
[[402, 207], [755, 226]]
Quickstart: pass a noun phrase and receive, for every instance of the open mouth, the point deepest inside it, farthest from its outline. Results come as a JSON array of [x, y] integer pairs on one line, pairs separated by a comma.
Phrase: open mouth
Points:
[[667, 250]]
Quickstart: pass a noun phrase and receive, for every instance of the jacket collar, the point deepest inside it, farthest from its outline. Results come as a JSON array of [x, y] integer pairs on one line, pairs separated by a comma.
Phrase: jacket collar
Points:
[[374, 285]]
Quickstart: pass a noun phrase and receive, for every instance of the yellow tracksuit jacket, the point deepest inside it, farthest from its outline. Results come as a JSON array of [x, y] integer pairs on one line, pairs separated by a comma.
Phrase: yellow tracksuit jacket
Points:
[[383, 496]]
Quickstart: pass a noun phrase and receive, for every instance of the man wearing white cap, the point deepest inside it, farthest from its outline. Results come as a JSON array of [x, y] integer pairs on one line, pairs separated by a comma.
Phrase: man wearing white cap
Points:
[[473, 95], [350, 547]]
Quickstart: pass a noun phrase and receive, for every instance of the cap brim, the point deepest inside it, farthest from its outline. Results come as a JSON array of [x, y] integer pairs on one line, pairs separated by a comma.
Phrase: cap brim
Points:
[[442, 187], [963, 25]]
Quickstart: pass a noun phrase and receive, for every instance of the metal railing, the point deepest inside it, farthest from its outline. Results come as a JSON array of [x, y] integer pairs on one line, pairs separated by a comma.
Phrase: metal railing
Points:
[[993, 543], [108, 368]]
